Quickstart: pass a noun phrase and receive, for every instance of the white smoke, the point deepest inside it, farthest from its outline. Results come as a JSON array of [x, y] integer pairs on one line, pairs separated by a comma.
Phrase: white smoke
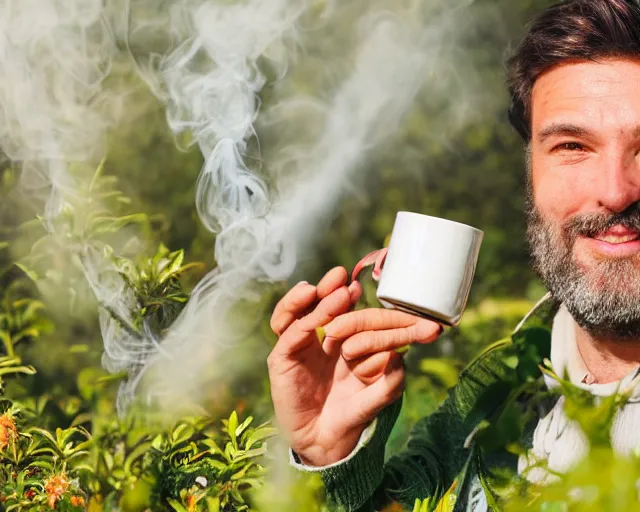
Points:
[[54, 113], [260, 236], [210, 61]]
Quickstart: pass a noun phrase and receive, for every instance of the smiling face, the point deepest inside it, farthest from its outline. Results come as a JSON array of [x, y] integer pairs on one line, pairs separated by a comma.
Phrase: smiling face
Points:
[[584, 193]]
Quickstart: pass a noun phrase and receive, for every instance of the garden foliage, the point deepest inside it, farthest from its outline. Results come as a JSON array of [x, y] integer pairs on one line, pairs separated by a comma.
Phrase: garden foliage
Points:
[[62, 445]]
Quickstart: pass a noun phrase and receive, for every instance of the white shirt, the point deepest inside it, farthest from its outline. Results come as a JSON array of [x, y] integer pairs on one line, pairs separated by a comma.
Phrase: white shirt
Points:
[[556, 439]]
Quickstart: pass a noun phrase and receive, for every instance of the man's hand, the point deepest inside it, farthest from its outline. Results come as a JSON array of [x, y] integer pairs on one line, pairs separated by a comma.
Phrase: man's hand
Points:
[[326, 394]]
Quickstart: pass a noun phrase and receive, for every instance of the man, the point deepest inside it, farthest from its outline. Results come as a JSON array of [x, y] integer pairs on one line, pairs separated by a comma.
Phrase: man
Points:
[[575, 86]]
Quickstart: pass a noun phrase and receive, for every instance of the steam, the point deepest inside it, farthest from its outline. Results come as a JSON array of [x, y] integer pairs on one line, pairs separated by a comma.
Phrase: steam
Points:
[[209, 62], [54, 58]]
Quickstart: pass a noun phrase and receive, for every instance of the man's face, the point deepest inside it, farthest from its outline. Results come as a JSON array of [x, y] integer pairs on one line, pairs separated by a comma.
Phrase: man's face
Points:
[[584, 194]]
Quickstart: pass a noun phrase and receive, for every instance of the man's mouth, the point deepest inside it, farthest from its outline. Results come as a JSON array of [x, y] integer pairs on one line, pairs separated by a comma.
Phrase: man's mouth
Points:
[[618, 235], [617, 242]]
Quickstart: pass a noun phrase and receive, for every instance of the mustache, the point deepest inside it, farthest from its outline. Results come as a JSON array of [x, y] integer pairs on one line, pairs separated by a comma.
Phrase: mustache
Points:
[[592, 224]]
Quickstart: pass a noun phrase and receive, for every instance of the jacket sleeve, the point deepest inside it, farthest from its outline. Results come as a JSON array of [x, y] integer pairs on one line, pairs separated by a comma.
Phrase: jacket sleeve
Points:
[[435, 453]]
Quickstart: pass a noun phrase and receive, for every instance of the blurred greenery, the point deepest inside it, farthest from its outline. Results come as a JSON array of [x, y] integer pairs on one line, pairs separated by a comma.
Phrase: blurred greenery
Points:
[[60, 443]]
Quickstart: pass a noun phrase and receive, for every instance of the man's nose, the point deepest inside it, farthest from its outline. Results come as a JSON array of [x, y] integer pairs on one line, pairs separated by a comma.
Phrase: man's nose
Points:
[[619, 186]]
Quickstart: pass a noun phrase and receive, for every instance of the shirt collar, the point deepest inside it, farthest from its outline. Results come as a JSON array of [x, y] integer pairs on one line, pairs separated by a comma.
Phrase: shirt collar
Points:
[[566, 359]]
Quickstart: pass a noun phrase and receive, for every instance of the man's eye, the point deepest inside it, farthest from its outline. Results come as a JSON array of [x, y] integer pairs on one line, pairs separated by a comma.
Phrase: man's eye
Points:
[[569, 146]]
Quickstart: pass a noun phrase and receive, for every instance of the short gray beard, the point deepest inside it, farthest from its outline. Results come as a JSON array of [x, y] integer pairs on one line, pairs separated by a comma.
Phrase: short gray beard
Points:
[[604, 299]]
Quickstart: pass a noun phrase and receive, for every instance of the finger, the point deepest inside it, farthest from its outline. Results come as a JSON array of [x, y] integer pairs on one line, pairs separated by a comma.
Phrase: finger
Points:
[[355, 292], [292, 306], [372, 342], [369, 369], [303, 331], [332, 280], [352, 323], [368, 403]]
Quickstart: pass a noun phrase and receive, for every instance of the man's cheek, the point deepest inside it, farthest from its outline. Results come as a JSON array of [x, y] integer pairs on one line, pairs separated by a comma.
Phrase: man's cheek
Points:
[[561, 200]]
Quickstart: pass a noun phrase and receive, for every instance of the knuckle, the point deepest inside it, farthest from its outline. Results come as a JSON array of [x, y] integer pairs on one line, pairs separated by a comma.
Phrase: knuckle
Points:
[[296, 304], [342, 294], [351, 348], [381, 341], [360, 321], [297, 326], [340, 325], [301, 328]]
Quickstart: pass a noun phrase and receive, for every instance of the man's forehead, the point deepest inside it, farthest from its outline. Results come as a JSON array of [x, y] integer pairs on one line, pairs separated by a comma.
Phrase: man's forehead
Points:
[[605, 92]]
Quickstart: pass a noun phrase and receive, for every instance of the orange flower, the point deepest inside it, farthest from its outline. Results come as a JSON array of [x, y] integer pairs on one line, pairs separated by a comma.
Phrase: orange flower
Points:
[[55, 487], [191, 502], [8, 430], [394, 507], [77, 501]]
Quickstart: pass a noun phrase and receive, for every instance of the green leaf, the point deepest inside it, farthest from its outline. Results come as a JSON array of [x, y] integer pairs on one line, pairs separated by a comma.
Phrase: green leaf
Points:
[[27, 370], [176, 505], [259, 435], [30, 273], [213, 504], [256, 452], [232, 426], [5, 339], [445, 371], [238, 475], [103, 225], [240, 429], [97, 175], [182, 433], [135, 456], [159, 443]]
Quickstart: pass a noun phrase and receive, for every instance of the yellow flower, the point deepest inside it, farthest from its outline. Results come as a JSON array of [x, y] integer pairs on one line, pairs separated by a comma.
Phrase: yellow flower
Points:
[[446, 504], [448, 501]]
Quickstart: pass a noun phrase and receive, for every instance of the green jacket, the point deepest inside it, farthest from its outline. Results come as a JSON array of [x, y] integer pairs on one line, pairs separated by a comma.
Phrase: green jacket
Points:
[[453, 448]]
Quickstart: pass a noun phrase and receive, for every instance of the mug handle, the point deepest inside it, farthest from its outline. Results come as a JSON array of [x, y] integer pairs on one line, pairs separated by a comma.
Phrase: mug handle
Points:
[[375, 258]]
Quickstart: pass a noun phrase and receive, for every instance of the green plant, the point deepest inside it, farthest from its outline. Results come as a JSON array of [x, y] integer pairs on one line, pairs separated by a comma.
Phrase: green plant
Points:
[[156, 282], [194, 462]]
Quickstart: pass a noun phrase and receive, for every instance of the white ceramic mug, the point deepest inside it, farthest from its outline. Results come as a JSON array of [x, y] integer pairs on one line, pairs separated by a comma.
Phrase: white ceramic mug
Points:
[[429, 267]]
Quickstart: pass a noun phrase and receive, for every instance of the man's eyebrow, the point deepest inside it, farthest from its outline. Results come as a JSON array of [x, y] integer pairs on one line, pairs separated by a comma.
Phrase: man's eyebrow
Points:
[[558, 129]]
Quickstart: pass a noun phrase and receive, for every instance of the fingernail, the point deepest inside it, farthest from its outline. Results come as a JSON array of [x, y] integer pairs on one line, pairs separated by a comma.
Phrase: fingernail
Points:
[[302, 282]]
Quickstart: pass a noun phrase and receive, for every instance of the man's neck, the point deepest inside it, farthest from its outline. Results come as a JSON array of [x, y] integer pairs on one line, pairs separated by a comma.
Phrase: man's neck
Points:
[[607, 360]]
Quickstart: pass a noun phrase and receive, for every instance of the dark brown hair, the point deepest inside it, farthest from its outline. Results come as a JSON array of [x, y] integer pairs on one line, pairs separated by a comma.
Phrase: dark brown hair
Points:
[[568, 31]]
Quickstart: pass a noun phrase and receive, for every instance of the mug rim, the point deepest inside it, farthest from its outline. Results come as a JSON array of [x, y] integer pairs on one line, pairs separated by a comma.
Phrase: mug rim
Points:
[[415, 214]]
